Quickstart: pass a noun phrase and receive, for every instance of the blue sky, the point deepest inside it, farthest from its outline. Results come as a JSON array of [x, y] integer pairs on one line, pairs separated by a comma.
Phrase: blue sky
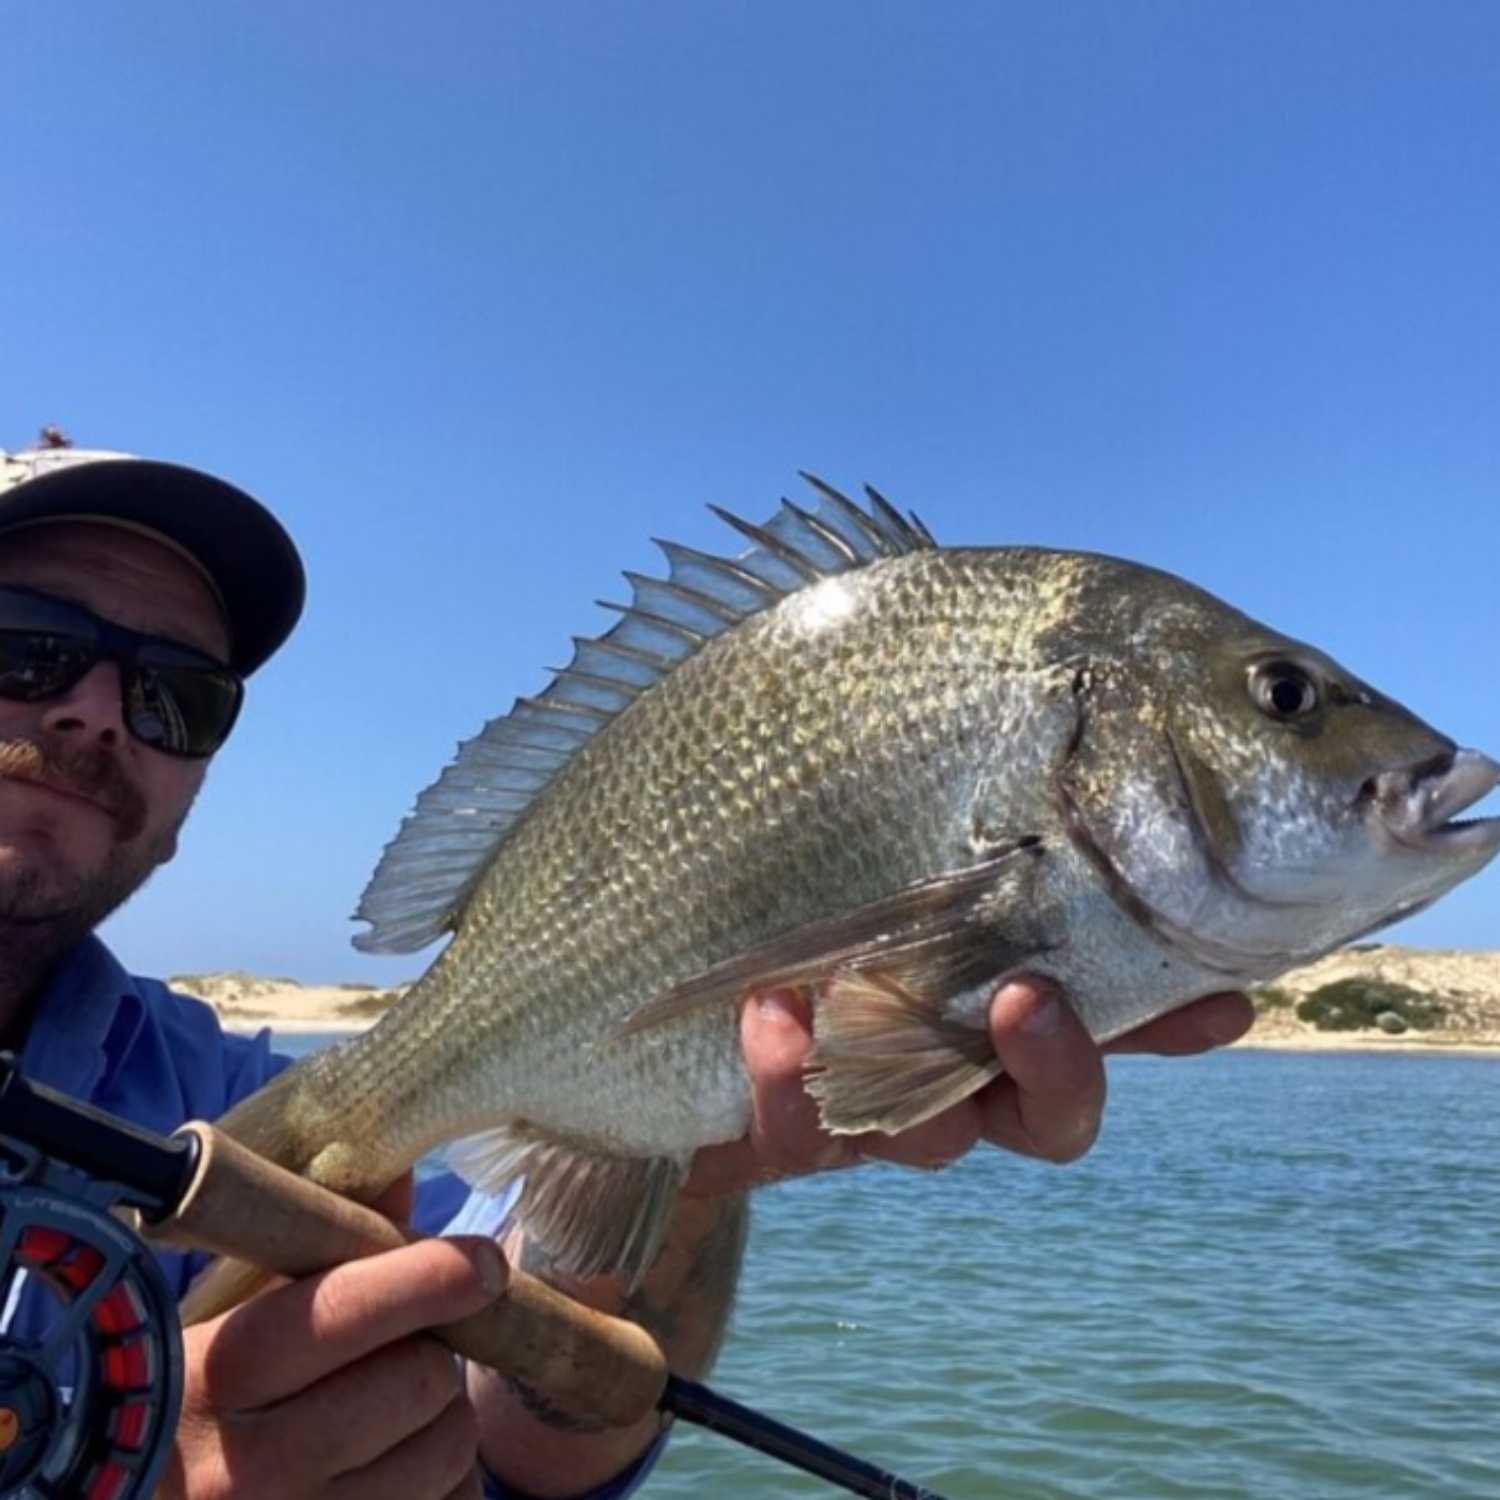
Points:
[[480, 296]]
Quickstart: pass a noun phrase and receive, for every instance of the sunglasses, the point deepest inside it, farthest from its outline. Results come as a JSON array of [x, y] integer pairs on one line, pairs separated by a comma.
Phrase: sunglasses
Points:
[[173, 698]]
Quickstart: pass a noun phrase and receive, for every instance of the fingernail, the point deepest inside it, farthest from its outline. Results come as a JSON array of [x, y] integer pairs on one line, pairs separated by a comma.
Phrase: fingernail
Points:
[[779, 1005], [1080, 1139], [1044, 1018], [489, 1265]]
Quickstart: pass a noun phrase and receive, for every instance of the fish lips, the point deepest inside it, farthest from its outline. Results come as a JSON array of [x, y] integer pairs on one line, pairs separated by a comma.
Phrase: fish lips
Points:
[[1416, 806]]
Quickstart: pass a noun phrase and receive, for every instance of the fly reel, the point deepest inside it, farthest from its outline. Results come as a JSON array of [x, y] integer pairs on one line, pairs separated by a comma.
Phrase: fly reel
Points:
[[90, 1344]]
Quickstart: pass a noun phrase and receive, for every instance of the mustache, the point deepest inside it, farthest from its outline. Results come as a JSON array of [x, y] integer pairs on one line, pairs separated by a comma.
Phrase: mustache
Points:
[[86, 771]]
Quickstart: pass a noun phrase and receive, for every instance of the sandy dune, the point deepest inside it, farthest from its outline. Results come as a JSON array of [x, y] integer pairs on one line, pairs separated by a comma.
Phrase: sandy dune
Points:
[[247, 1002], [1466, 981]]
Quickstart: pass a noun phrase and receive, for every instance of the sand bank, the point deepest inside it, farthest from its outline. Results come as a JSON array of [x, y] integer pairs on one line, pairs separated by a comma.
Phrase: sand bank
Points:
[[1466, 982]]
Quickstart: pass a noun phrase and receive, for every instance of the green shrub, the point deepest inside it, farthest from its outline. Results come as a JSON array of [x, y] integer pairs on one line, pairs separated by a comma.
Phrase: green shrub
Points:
[[1353, 1004], [374, 1004], [1268, 997]]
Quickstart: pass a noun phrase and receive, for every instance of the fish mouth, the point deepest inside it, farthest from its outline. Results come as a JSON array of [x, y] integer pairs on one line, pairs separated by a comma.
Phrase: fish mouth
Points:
[[1416, 805]]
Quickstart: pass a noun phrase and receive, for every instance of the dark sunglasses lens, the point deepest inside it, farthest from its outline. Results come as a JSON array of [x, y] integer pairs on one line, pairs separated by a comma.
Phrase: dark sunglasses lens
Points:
[[173, 698], [36, 665], [46, 645], [181, 710]]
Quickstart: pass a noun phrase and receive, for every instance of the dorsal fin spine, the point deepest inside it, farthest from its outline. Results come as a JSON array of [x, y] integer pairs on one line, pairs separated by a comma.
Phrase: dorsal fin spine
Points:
[[441, 851], [565, 706], [919, 526], [830, 537], [628, 653], [694, 638], [696, 597], [851, 513], [678, 556], [632, 690], [774, 545], [893, 516]]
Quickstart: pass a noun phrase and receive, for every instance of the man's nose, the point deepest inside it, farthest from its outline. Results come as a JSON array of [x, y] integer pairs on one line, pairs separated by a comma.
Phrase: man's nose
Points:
[[90, 709]]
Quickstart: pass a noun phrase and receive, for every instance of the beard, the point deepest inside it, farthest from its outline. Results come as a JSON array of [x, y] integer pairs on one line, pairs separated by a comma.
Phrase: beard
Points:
[[47, 905]]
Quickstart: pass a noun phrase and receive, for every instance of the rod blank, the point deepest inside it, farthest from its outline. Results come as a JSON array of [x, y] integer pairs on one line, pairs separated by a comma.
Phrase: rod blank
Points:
[[696, 1403]]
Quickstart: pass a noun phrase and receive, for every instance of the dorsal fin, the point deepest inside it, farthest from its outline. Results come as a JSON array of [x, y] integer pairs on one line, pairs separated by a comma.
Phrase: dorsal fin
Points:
[[430, 868]]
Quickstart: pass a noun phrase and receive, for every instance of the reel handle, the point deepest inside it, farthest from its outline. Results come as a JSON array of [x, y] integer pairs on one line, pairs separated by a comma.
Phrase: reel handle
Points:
[[241, 1205]]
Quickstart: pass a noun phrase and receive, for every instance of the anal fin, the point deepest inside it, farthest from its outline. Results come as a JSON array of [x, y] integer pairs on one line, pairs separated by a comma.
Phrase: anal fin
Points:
[[592, 1213], [886, 1059]]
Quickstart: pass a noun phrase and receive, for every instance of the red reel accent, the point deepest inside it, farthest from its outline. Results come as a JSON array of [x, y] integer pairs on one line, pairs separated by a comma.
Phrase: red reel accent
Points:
[[78, 1268], [93, 1415], [130, 1422], [129, 1365], [107, 1481], [39, 1246], [121, 1311]]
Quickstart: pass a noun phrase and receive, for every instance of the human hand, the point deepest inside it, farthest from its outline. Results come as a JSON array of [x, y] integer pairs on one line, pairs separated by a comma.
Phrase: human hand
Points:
[[1048, 1103], [330, 1386]]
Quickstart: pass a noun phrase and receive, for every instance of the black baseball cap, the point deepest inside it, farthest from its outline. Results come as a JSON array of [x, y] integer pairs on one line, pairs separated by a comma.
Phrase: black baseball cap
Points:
[[241, 547]]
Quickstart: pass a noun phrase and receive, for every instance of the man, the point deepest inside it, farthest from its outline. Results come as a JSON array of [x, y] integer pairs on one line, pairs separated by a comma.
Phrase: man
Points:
[[134, 599]]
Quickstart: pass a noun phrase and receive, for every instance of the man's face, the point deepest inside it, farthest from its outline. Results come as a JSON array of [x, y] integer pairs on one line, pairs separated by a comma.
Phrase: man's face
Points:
[[71, 852]]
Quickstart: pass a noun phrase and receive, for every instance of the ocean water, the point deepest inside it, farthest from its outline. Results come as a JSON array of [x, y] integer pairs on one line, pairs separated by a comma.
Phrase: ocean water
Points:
[[1277, 1275]]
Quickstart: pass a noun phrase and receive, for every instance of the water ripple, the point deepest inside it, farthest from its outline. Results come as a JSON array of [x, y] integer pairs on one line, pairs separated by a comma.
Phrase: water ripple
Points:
[[1277, 1275]]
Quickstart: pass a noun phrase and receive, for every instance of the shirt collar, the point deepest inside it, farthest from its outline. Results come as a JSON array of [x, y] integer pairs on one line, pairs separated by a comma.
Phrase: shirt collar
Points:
[[89, 1014]]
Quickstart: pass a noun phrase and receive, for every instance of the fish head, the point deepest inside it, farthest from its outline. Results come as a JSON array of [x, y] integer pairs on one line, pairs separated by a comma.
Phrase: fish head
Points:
[[1240, 793], [1323, 809]]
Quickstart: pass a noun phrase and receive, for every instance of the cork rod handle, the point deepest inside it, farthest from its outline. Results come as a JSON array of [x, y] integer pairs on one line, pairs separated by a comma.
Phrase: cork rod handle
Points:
[[241, 1205]]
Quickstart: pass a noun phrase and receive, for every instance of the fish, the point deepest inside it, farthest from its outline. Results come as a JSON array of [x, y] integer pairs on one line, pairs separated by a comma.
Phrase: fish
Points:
[[889, 773]]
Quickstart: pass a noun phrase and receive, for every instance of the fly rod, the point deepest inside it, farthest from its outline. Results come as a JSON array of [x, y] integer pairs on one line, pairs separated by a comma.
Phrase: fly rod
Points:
[[199, 1190], [696, 1403]]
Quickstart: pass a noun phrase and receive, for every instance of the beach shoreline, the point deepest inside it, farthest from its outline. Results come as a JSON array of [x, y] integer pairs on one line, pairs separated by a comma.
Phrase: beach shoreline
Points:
[[1465, 983], [1446, 1043], [1311, 1041]]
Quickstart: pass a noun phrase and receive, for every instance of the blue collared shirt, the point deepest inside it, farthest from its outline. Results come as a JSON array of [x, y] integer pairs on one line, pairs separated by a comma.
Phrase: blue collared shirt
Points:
[[158, 1058]]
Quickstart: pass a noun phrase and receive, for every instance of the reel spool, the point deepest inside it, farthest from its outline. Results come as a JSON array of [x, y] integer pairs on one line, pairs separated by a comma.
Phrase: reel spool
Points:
[[91, 1384]]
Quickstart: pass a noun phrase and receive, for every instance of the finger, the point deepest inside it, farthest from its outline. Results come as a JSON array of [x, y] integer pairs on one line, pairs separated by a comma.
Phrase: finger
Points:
[[347, 1420], [429, 1465], [1213, 1021], [1051, 1099], [933, 1144], [785, 1136], [322, 1323]]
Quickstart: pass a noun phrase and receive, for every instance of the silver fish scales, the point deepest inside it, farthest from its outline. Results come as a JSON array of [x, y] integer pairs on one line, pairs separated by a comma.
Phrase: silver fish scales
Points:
[[892, 773]]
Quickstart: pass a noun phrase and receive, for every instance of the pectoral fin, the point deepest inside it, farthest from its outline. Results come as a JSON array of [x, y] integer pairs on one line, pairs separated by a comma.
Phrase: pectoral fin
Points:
[[936, 938], [887, 1059]]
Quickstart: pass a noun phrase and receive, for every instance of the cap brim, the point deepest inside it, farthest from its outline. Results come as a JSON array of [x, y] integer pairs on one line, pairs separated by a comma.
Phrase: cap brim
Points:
[[240, 544]]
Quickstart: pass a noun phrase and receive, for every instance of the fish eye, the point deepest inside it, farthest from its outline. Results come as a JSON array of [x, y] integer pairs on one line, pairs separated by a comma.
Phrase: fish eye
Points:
[[1283, 690]]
